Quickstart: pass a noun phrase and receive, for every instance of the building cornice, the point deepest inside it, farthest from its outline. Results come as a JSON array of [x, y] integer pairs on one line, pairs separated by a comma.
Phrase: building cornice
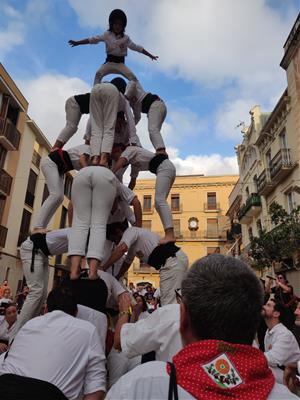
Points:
[[291, 44], [185, 185]]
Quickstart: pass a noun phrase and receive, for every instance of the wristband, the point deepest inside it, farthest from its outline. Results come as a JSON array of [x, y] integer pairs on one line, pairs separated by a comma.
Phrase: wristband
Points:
[[128, 312]]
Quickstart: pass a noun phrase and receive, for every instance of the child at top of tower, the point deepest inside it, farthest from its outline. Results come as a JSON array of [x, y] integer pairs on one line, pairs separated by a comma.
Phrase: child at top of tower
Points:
[[116, 47]]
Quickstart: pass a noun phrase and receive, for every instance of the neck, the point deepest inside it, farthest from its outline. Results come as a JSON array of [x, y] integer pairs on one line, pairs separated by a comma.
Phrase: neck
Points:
[[271, 323]]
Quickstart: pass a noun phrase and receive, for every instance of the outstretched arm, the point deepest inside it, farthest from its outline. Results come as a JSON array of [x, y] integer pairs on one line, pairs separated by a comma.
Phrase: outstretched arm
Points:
[[115, 255], [137, 208], [74, 43], [153, 58]]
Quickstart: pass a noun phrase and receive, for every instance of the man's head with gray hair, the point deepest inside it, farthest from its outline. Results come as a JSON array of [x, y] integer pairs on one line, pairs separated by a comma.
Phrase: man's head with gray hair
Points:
[[221, 299]]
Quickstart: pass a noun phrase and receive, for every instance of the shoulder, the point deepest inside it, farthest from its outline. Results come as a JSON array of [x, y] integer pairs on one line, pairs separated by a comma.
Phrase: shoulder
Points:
[[139, 381], [280, 392]]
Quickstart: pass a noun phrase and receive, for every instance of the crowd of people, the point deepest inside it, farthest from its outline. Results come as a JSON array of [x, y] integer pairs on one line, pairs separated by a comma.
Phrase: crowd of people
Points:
[[91, 337]]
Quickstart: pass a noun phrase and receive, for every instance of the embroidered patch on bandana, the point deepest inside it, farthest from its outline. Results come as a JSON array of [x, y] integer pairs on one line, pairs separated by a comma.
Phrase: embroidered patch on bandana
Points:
[[222, 372]]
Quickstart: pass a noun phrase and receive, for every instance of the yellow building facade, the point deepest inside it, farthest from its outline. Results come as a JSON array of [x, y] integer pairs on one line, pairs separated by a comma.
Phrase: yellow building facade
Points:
[[198, 205], [22, 184]]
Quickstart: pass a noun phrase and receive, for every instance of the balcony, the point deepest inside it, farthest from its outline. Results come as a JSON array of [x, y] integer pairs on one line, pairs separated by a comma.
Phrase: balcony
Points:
[[281, 165], [5, 183], [3, 234], [211, 207], [208, 235], [9, 134], [250, 209], [36, 159], [264, 184], [234, 232]]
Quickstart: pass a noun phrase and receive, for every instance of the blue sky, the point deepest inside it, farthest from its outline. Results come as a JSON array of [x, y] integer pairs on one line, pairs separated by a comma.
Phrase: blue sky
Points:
[[216, 60]]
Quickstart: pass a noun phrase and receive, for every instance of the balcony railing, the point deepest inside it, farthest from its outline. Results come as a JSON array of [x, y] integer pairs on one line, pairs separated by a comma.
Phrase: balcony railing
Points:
[[3, 234], [198, 235], [9, 135], [211, 207], [36, 159], [250, 209], [281, 165], [263, 183], [5, 183]]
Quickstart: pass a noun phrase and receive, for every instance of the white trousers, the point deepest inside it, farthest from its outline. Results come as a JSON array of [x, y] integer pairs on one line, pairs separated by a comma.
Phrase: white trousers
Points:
[[156, 115], [55, 184], [73, 115], [104, 105], [93, 193], [165, 177], [171, 275], [114, 68], [37, 281]]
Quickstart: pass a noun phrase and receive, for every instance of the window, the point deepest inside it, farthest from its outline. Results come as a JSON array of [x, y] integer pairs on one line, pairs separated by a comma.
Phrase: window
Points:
[[13, 114], [211, 201], [45, 193], [36, 158], [4, 106], [177, 232], [250, 233], [147, 200], [283, 141], [2, 206], [212, 227], [290, 202], [25, 225], [247, 192], [259, 227], [3, 153], [268, 158], [68, 186], [146, 224], [213, 250], [29, 199], [175, 202]]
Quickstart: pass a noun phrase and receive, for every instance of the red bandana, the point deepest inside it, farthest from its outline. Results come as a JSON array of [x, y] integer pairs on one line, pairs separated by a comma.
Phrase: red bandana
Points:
[[215, 370]]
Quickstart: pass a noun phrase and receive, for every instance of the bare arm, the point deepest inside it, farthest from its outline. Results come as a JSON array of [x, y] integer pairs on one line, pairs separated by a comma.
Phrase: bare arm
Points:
[[149, 55], [57, 145], [115, 256], [125, 267], [124, 307], [132, 183], [95, 396], [137, 208], [70, 213], [74, 43]]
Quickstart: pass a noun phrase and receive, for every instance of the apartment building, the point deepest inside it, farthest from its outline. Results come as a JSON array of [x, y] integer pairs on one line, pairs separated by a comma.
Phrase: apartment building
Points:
[[22, 184], [198, 205], [269, 157]]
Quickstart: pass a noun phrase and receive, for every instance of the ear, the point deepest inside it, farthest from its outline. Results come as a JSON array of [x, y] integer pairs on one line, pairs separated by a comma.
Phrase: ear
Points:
[[184, 321]]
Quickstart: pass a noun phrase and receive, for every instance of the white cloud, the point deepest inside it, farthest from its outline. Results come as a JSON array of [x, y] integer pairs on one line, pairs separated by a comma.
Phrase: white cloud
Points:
[[13, 33], [47, 96]]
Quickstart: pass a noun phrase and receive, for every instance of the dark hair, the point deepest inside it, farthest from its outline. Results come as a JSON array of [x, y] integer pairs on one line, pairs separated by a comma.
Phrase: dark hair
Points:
[[283, 275], [224, 299], [117, 14], [6, 306], [279, 307], [119, 83], [111, 228], [145, 307], [62, 298]]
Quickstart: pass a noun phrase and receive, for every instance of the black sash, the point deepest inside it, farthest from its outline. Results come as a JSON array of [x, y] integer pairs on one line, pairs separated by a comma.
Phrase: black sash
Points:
[[15, 387], [115, 59], [161, 253], [147, 102], [156, 161], [83, 100], [173, 390], [39, 243], [62, 159]]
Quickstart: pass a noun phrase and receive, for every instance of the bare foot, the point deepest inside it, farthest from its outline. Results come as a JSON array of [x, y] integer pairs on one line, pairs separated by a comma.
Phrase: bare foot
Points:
[[166, 240], [40, 230], [161, 151]]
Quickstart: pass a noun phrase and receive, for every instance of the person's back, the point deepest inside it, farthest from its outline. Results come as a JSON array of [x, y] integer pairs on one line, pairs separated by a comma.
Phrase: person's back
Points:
[[221, 306], [60, 349]]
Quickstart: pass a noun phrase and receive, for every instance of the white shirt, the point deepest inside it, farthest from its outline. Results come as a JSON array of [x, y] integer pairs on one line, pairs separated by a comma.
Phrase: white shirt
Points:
[[59, 349], [281, 348], [97, 318], [157, 293], [116, 45], [76, 152], [140, 242], [125, 107], [151, 381], [136, 94], [139, 159], [6, 333], [123, 209], [57, 242], [114, 289], [159, 332]]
